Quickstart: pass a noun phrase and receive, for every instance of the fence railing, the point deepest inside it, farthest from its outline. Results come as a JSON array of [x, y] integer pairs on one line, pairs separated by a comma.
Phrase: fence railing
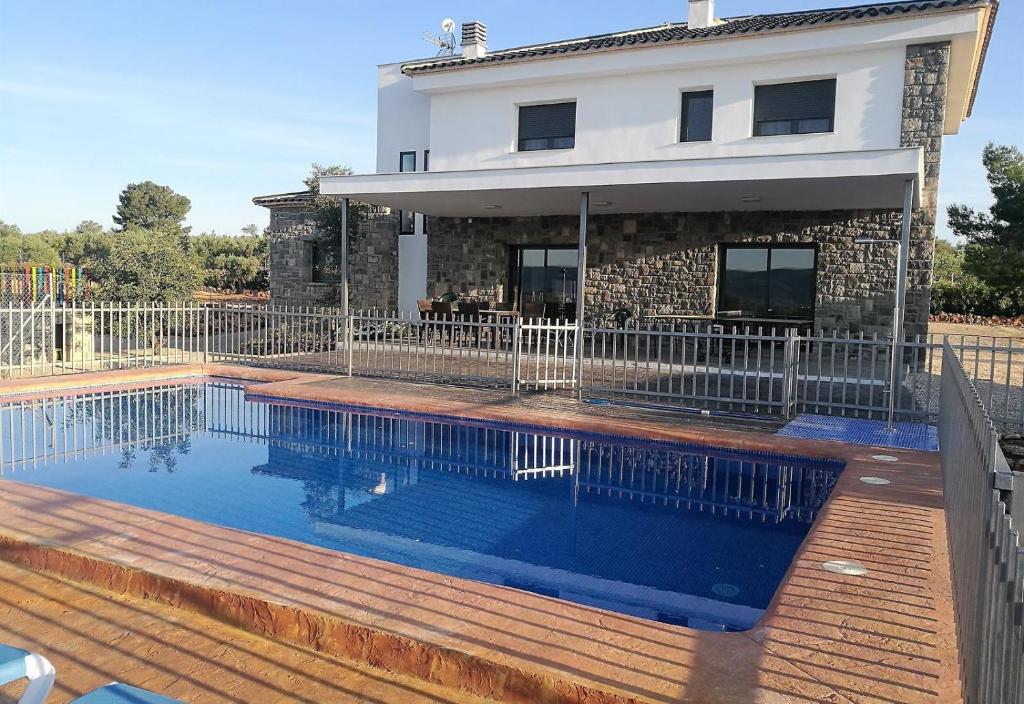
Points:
[[985, 512], [747, 371], [768, 371]]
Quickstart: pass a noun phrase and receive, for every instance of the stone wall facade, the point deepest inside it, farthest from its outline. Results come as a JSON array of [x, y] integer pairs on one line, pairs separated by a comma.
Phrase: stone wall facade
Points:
[[669, 262], [373, 260]]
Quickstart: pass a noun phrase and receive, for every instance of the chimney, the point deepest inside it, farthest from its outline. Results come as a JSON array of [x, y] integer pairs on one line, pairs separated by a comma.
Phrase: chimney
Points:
[[702, 14], [474, 40]]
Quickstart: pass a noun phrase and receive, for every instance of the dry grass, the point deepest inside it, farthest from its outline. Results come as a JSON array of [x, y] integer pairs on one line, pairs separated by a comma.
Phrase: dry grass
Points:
[[983, 330]]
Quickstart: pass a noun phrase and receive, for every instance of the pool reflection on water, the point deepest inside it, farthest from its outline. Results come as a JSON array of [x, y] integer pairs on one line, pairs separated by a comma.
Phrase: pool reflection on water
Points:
[[691, 535]]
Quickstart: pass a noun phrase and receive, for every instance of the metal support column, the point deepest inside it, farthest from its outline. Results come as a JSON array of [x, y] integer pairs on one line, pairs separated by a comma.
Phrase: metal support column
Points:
[[344, 257], [899, 311], [346, 317], [581, 276]]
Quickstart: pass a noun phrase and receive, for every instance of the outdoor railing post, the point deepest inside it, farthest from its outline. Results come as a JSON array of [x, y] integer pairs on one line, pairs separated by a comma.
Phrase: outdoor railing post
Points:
[[349, 338], [788, 387], [517, 333], [206, 334]]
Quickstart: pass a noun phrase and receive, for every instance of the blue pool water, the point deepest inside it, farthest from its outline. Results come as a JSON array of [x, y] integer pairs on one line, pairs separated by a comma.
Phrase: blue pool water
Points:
[[689, 535]]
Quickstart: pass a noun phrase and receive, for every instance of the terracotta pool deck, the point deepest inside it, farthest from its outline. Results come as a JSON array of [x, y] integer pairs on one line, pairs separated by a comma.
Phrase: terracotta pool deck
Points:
[[883, 637], [93, 637]]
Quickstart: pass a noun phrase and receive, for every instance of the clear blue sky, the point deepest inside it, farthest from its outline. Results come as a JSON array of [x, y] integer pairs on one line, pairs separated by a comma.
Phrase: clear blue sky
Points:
[[230, 99]]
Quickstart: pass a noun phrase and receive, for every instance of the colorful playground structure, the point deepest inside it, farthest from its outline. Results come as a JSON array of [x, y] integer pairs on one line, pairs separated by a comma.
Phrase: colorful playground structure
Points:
[[32, 285]]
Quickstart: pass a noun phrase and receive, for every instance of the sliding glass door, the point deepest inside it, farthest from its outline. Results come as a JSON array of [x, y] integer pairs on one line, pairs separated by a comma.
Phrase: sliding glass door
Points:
[[544, 281]]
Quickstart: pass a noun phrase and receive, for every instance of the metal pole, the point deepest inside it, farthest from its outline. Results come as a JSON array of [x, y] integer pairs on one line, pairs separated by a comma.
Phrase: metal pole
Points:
[[345, 313], [344, 257], [899, 310], [581, 276]]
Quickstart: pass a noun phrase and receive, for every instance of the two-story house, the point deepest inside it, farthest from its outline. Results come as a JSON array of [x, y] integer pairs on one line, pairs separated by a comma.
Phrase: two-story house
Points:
[[740, 168]]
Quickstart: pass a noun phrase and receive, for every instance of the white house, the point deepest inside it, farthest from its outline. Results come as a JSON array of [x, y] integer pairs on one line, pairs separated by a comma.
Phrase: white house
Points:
[[723, 168]]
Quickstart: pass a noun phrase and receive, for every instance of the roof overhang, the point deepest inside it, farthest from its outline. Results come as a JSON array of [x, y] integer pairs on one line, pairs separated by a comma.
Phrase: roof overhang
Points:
[[831, 181]]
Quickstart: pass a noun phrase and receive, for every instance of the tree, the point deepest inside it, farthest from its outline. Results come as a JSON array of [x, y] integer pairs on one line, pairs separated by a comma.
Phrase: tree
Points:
[[252, 230], [84, 246], [151, 206], [948, 267], [19, 249], [995, 240], [327, 212], [236, 263], [147, 265]]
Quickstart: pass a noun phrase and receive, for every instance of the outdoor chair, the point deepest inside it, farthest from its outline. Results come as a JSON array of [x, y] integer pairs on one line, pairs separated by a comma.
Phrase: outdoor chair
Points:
[[534, 309], [18, 664], [425, 307], [117, 693], [439, 311], [469, 312]]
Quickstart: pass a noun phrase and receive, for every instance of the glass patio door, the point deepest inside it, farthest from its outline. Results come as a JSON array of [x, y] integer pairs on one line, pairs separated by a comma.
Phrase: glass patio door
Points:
[[545, 276]]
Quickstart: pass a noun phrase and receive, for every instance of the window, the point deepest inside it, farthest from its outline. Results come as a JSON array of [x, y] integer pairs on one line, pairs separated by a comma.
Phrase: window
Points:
[[695, 122], [407, 219], [318, 262], [545, 278], [767, 282], [407, 162], [551, 126], [795, 108], [426, 167]]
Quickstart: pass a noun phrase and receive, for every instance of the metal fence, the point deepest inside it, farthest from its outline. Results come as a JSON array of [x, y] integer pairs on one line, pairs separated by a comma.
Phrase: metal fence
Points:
[[984, 511], [692, 365], [765, 371]]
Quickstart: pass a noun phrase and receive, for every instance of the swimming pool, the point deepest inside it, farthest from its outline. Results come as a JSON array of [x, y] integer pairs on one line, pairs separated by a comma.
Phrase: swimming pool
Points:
[[690, 535]]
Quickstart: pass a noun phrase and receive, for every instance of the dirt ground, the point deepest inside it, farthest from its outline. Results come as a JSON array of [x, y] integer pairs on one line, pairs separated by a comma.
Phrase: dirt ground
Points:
[[984, 330], [224, 297]]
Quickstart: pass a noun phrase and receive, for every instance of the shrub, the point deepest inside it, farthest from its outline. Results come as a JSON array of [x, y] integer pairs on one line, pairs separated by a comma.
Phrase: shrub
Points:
[[969, 296]]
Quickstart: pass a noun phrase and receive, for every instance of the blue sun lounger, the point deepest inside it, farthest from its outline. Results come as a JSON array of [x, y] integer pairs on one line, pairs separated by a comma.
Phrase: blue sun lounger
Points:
[[18, 664], [117, 693]]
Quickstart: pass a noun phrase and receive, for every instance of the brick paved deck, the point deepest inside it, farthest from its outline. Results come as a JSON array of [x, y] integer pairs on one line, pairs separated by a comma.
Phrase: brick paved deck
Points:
[[93, 637], [883, 637]]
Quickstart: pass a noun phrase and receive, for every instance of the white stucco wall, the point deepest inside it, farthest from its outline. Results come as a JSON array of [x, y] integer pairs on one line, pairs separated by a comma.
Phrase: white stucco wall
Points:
[[636, 117], [412, 272], [628, 102], [403, 119]]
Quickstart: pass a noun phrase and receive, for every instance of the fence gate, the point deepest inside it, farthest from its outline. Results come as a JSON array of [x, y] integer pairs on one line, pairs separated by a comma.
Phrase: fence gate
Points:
[[545, 354]]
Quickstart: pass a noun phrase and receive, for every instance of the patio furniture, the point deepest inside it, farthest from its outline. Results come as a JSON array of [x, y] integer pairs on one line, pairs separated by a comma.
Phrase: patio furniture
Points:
[[117, 693], [469, 311], [16, 664], [426, 310], [440, 310], [424, 305], [498, 313], [534, 309]]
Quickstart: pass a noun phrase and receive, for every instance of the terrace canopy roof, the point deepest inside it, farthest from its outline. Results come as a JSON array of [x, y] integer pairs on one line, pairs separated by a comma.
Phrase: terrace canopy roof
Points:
[[829, 181]]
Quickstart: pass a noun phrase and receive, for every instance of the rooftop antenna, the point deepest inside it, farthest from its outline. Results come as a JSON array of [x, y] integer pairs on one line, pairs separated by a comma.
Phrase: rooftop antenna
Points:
[[445, 42]]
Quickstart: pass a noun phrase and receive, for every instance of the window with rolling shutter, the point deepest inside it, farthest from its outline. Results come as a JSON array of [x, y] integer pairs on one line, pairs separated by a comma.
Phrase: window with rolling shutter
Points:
[[551, 126], [795, 108]]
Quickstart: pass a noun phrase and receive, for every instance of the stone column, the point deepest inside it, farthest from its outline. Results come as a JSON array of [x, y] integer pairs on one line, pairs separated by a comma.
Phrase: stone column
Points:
[[924, 114]]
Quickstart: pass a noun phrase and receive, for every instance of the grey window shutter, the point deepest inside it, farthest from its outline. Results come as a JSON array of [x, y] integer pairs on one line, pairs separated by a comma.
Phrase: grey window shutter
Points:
[[795, 101], [547, 121]]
